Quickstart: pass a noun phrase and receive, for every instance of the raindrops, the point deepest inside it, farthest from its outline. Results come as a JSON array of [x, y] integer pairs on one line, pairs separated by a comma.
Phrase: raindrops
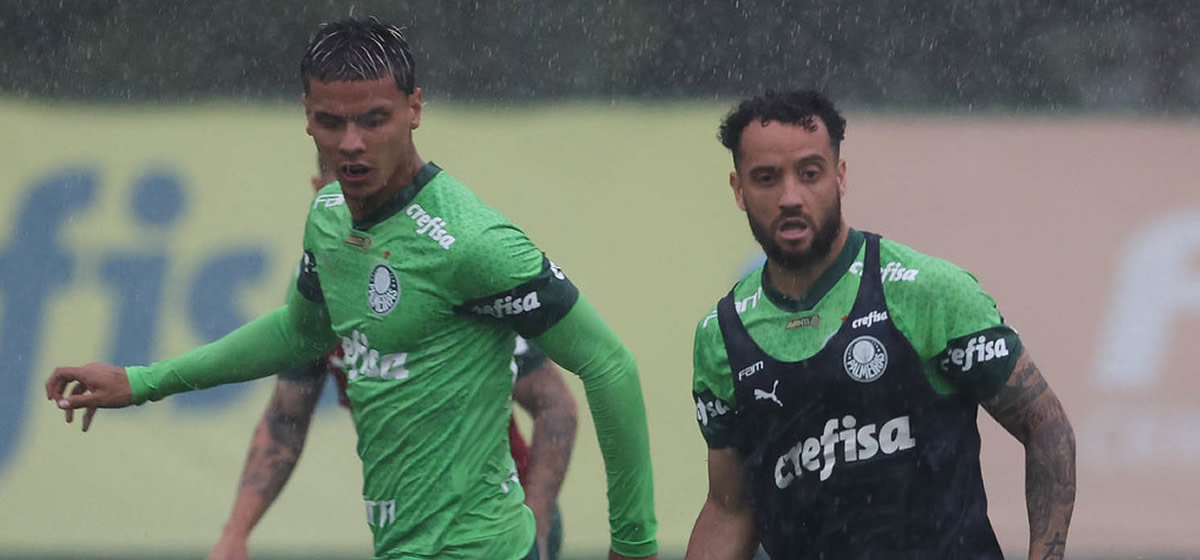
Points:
[[1101, 55]]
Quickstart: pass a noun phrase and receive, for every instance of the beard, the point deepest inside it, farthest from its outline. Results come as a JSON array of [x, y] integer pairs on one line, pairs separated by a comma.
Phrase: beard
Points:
[[825, 231]]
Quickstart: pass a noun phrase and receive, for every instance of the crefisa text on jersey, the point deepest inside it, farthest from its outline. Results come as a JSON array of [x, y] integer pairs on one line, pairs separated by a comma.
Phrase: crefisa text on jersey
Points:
[[433, 226], [858, 444], [509, 305]]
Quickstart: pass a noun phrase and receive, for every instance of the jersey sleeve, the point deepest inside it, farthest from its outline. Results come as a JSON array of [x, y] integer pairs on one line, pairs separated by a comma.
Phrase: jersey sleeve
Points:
[[582, 343], [958, 332], [293, 334], [503, 277], [712, 384]]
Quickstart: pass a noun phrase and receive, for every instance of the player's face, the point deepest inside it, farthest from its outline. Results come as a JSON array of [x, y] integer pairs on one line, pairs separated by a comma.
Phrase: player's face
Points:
[[363, 132], [790, 185]]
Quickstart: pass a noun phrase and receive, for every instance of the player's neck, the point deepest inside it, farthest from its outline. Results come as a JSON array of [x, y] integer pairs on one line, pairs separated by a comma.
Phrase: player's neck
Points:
[[403, 176], [795, 282]]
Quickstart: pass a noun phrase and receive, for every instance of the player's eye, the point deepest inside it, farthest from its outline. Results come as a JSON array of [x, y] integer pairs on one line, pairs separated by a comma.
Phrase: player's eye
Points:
[[763, 177], [373, 120], [329, 122]]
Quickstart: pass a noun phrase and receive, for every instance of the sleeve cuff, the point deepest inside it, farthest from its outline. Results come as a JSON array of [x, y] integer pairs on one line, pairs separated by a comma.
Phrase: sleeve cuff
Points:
[[137, 383]]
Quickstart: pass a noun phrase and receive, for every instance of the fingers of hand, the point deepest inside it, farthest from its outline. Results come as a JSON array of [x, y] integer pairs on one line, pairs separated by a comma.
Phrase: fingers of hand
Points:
[[78, 389], [87, 417], [57, 384]]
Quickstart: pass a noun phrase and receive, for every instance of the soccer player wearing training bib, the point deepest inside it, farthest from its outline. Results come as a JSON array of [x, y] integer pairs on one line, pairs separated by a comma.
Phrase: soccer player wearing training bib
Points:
[[424, 286], [837, 386]]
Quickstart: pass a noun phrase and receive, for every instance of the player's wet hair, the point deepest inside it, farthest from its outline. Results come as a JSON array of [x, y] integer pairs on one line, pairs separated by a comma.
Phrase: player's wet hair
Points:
[[358, 49], [791, 107]]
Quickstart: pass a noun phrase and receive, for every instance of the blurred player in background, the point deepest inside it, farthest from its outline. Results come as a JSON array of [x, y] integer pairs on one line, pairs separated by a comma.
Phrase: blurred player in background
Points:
[[837, 387], [425, 286], [281, 433]]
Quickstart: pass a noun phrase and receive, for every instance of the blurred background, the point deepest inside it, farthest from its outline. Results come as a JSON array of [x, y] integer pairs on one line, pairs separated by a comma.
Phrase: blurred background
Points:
[[154, 181]]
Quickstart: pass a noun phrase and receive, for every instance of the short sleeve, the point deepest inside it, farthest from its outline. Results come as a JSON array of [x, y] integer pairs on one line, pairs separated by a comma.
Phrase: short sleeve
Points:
[[712, 385]]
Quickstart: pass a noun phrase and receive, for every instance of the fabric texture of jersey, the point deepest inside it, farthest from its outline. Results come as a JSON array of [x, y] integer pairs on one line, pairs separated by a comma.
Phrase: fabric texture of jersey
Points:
[[429, 377], [962, 342], [850, 453]]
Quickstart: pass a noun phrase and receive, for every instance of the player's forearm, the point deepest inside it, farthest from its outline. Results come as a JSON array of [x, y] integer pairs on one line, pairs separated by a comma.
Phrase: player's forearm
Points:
[[1050, 487], [550, 453], [276, 446], [259, 348], [582, 343], [721, 534]]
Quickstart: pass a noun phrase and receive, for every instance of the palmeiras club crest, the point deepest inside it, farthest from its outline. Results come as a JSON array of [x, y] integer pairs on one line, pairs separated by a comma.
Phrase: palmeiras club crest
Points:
[[865, 359], [383, 289]]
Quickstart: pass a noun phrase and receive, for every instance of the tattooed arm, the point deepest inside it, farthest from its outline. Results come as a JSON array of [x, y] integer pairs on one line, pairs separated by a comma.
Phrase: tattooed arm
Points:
[[273, 453], [1029, 410], [543, 393]]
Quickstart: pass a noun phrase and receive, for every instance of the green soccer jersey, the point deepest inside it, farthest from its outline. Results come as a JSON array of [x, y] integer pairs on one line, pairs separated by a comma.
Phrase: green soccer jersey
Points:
[[938, 307], [425, 297]]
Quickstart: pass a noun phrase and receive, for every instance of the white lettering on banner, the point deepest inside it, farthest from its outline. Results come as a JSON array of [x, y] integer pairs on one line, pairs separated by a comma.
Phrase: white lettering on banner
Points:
[[1128, 437], [1156, 282]]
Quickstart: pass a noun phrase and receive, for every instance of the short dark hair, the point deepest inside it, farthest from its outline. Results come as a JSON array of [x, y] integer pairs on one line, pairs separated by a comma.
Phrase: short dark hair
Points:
[[792, 107], [358, 49]]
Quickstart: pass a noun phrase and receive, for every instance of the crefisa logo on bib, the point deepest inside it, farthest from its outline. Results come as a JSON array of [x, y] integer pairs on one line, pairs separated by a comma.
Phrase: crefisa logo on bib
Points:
[[865, 359], [383, 289]]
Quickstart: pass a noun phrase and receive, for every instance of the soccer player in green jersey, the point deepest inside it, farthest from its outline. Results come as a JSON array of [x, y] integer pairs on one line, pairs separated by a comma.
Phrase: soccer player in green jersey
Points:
[[424, 286], [837, 386], [283, 429]]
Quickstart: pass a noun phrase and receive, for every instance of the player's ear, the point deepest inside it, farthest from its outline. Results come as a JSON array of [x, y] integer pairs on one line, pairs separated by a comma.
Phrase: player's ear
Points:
[[737, 189], [415, 102], [307, 114], [841, 175]]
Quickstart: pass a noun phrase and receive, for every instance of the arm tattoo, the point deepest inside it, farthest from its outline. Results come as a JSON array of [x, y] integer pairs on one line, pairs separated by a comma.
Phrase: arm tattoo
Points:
[[1030, 411], [280, 438], [1055, 548]]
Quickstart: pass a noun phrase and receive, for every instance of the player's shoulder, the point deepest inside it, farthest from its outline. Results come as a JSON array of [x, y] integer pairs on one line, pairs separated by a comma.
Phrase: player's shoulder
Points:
[[747, 294], [328, 200], [471, 224], [905, 269], [327, 212], [920, 285]]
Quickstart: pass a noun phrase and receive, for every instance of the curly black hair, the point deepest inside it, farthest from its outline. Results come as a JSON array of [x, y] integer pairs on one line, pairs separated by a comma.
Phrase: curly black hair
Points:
[[791, 107]]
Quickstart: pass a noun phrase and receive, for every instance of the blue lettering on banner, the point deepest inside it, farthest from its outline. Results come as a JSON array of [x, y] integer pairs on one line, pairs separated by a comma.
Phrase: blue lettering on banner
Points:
[[36, 267]]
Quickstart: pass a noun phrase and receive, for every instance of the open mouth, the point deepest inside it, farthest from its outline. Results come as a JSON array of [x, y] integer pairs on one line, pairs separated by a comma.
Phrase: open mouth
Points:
[[354, 172], [792, 228]]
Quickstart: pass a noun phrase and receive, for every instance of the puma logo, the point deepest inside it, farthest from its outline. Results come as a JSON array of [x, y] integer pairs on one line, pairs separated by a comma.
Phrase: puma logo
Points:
[[761, 395]]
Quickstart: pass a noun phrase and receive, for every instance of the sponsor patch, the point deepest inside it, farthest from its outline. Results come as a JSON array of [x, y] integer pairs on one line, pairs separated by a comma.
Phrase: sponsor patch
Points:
[[802, 322]]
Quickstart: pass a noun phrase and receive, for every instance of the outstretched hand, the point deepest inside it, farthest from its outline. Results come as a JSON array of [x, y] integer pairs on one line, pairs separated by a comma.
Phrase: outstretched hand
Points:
[[95, 386]]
